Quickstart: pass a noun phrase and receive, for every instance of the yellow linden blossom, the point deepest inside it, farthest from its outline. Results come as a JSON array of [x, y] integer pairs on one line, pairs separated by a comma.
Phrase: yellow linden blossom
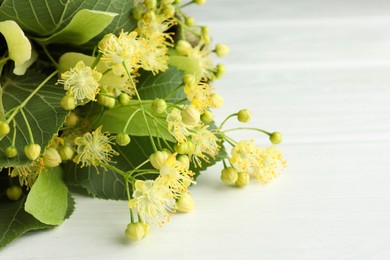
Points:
[[153, 57], [81, 82], [201, 53], [27, 174], [176, 176], [205, 145], [152, 202], [245, 156], [176, 127], [120, 50], [94, 148], [271, 164], [201, 95]]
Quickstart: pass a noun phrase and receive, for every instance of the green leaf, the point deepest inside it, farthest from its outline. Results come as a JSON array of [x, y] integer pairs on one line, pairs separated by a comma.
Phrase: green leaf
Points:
[[43, 18], [85, 25], [186, 64], [14, 222], [44, 113], [159, 86], [48, 198], [114, 121]]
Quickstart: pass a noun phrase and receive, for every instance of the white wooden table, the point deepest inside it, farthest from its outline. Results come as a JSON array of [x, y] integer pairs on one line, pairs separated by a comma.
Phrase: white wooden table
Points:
[[319, 72]]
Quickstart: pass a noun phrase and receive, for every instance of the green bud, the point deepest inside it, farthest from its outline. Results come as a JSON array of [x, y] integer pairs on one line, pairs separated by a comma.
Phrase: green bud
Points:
[[105, 101], [183, 47], [190, 115], [200, 2], [185, 203], [222, 50], [229, 175], [184, 160], [181, 148], [71, 120], [149, 16], [276, 138], [244, 115], [167, 2], [169, 10], [14, 192], [68, 103], [206, 38], [51, 157], [217, 101], [189, 79], [178, 1], [207, 117], [189, 21], [135, 231], [159, 105], [32, 151], [11, 152], [66, 153], [158, 159], [204, 30], [150, 4], [138, 12], [220, 70], [122, 139], [4, 128], [242, 180], [124, 99]]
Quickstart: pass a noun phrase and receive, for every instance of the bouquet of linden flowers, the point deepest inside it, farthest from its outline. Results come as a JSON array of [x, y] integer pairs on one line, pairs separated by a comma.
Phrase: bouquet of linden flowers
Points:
[[114, 98]]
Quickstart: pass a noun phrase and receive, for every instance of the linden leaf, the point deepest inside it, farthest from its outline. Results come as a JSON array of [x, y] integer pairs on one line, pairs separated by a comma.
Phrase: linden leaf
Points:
[[19, 47], [48, 197], [85, 25]]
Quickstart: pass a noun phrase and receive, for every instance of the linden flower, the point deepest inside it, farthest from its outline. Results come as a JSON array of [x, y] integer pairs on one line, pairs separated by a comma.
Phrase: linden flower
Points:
[[120, 50], [94, 148], [205, 145], [176, 127], [271, 163], [151, 201], [201, 53], [176, 176], [81, 82], [245, 156], [201, 95], [153, 57], [27, 174]]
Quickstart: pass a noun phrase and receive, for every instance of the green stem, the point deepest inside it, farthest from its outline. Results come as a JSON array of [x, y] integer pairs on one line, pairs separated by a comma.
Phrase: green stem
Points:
[[173, 91], [14, 135], [113, 168], [142, 107], [226, 119], [247, 128], [30, 134], [187, 4], [96, 61], [130, 118], [181, 101], [49, 56], [24, 103]]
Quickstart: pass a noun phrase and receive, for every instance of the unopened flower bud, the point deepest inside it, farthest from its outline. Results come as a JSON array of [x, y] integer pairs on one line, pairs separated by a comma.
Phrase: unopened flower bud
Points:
[[158, 159], [167, 2], [242, 180], [222, 50], [220, 70], [149, 16], [184, 160], [190, 115], [159, 105], [51, 157], [189, 21], [206, 38], [185, 203], [229, 175], [200, 2], [276, 138], [4, 128], [169, 10], [204, 30], [178, 1], [150, 4], [244, 115], [10, 152], [71, 120], [135, 231], [124, 99], [217, 101], [14, 192], [66, 153], [207, 117], [183, 47], [122, 139], [105, 101], [68, 103], [189, 79], [32, 151], [146, 228], [138, 12], [181, 148]]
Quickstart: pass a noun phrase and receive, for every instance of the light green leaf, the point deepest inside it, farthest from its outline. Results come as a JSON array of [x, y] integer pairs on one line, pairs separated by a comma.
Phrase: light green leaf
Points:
[[186, 64], [114, 120], [48, 198], [19, 47], [43, 18], [44, 113], [85, 25], [14, 222]]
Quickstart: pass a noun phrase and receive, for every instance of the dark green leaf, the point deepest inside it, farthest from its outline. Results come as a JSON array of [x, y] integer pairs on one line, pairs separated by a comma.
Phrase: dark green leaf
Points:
[[44, 113]]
